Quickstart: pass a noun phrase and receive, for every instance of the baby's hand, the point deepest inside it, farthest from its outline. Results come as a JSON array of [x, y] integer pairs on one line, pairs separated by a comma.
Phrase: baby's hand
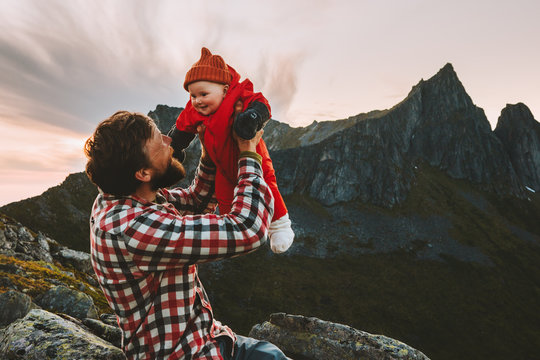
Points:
[[238, 107], [247, 123]]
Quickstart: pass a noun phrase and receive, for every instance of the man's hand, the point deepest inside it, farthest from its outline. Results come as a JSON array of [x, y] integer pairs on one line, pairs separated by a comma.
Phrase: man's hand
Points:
[[248, 145], [205, 158]]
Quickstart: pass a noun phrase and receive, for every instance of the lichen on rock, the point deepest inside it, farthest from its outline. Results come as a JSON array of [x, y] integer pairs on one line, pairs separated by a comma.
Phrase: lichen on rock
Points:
[[69, 301], [43, 335]]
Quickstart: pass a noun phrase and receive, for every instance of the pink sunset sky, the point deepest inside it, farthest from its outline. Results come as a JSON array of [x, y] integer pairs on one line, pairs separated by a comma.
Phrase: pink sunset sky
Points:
[[67, 65]]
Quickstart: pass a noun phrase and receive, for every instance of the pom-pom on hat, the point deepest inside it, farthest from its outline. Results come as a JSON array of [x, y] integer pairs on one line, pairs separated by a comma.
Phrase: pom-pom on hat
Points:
[[208, 68]]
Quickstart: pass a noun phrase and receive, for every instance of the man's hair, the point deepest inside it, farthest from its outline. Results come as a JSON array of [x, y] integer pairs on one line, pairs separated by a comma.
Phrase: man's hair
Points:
[[116, 151]]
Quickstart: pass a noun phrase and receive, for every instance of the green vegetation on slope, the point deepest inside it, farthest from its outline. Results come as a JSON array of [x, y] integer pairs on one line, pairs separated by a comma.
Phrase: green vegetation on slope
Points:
[[36, 277]]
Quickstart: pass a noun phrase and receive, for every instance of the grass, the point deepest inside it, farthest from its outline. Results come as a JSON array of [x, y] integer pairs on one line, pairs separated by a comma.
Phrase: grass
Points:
[[35, 276]]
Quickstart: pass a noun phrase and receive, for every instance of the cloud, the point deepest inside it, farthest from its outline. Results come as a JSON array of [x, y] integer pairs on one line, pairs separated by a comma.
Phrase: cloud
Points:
[[38, 147], [63, 55], [35, 156], [277, 77]]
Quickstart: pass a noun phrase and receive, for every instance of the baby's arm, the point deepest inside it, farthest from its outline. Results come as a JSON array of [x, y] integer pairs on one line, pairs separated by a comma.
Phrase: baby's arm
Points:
[[253, 119]]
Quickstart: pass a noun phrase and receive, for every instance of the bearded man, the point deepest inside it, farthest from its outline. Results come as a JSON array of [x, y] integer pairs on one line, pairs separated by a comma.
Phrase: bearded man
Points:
[[146, 240]]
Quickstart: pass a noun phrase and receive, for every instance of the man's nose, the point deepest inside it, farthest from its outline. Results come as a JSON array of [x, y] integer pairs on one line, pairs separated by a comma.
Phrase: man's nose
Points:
[[167, 139]]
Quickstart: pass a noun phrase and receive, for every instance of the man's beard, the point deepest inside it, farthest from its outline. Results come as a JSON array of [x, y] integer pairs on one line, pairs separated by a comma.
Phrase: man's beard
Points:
[[174, 173]]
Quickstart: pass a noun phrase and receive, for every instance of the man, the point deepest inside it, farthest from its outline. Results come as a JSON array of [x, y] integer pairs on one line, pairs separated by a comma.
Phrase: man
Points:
[[146, 240]]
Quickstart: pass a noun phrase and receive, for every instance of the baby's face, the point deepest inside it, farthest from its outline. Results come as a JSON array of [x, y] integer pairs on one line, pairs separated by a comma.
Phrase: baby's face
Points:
[[206, 96]]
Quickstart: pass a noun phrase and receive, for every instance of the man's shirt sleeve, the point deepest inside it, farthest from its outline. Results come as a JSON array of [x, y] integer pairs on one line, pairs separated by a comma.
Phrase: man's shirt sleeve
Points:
[[199, 197], [159, 239]]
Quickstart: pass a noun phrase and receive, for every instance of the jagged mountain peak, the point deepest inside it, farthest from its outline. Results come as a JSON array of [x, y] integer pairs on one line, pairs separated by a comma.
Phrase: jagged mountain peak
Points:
[[444, 87], [165, 116], [519, 133], [516, 115], [445, 74]]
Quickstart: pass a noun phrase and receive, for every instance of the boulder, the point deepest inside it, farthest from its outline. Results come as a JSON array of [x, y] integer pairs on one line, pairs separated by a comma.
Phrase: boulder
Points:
[[14, 305], [72, 302], [78, 259], [317, 339], [43, 335]]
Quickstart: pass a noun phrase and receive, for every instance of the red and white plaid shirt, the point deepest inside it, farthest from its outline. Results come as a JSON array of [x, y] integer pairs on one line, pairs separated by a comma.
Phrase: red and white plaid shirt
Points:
[[145, 255]]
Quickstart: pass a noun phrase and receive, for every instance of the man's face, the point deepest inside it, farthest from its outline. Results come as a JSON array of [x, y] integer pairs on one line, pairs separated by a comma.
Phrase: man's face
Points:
[[167, 170], [206, 96]]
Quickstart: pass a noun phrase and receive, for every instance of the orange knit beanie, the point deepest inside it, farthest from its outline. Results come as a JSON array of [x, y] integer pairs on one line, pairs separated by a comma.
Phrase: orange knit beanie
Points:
[[209, 68]]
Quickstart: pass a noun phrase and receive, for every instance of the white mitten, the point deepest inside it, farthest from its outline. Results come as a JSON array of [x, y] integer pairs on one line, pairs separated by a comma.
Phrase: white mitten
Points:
[[281, 234]]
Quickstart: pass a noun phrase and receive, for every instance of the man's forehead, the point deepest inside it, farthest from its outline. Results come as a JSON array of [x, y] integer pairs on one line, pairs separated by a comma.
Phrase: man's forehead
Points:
[[151, 142], [155, 130]]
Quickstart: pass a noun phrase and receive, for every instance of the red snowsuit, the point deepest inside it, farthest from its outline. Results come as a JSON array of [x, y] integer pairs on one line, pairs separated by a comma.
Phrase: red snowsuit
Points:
[[221, 146]]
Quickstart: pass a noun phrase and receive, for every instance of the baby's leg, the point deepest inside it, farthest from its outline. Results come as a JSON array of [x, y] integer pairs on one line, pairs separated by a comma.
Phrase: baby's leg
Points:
[[280, 231], [281, 234]]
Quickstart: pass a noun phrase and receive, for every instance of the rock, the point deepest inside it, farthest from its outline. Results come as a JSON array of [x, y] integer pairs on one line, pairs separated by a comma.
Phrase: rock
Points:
[[14, 305], [44, 245], [317, 339], [43, 335], [112, 334], [7, 283], [78, 259], [109, 319], [24, 235], [68, 301], [16, 240]]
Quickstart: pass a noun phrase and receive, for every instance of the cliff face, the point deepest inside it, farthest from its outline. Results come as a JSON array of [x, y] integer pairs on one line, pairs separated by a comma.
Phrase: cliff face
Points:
[[165, 117], [374, 159], [520, 134]]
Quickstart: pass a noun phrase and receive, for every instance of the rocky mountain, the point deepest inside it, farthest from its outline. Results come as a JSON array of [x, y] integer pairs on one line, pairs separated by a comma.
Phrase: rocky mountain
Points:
[[417, 222], [372, 157], [62, 211]]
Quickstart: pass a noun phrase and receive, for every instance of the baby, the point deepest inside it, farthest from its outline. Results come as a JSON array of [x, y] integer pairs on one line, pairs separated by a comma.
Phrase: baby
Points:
[[215, 92]]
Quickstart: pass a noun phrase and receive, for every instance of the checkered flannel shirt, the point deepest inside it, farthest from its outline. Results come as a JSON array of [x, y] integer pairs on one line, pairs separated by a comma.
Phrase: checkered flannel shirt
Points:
[[145, 256]]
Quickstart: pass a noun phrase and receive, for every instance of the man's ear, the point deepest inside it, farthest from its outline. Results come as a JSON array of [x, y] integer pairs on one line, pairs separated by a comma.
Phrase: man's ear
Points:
[[143, 175], [225, 89]]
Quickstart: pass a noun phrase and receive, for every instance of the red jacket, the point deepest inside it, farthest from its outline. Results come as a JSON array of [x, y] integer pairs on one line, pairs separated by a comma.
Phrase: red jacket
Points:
[[221, 146]]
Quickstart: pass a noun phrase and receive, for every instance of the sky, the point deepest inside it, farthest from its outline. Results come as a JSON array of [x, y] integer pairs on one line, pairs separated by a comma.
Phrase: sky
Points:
[[67, 65]]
